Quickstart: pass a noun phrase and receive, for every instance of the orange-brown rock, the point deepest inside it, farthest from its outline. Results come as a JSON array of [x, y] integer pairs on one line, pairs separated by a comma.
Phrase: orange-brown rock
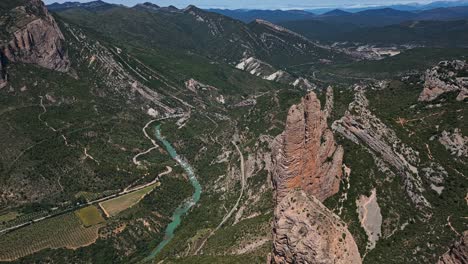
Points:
[[458, 253], [307, 169], [306, 155], [305, 231]]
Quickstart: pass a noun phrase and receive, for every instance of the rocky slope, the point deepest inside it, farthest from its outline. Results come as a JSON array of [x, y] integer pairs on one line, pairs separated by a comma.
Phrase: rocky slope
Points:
[[455, 142], [361, 126], [458, 253], [307, 169], [266, 71], [32, 36], [305, 231], [448, 76]]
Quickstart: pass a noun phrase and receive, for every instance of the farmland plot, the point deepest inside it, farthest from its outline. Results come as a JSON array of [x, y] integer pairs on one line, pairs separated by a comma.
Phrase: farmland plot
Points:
[[65, 231]]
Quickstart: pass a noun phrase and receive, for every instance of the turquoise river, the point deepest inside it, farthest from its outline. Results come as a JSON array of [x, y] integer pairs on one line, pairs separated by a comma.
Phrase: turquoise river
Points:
[[183, 208]]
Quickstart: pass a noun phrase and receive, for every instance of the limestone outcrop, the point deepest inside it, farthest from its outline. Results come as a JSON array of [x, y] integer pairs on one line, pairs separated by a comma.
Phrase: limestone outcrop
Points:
[[362, 127], [305, 231], [306, 155], [455, 142], [444, 78], [194, 86], [458, 253], [32, 37]]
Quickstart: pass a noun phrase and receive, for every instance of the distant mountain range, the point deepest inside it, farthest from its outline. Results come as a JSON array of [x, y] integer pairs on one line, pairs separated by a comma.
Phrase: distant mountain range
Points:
[[402, 7], [440, 26], [452, 33], [94, 5], [381, 16]]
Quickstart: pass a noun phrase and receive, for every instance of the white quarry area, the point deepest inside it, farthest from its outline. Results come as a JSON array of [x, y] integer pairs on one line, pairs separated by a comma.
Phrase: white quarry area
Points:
[[153, 113]]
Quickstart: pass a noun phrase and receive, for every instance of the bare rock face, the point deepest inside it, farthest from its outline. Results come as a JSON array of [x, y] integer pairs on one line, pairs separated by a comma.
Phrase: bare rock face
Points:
[[370, 218], [266, 71], [305, 231], [255, 67], [3, 80], [194, 86], [455, 142], [362, 127], [443, 79], [34, 37], [306, 155], [458, 253], [307, 169], [304, 84]]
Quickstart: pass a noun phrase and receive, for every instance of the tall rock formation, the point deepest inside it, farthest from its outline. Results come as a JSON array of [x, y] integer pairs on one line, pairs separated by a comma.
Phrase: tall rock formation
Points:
[[306, 155], [31, 35], [307, 170]]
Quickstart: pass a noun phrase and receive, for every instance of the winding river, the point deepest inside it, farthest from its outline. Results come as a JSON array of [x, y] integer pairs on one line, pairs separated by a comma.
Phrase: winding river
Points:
[[184, 207]]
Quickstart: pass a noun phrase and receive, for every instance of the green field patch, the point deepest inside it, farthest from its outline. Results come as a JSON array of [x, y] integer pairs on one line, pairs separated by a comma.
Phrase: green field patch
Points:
[[90, 216], [114, 206], [8, 216]]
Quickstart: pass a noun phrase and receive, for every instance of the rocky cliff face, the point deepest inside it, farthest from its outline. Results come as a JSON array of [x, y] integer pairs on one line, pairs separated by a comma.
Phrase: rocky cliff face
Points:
[[458, 253], [307, 169], [446, 77], [361, 126], [305, 231], [32, 36], [306, 155]]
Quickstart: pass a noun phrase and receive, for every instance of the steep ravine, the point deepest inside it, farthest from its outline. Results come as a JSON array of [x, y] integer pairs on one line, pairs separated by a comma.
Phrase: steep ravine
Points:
[[307, 170]]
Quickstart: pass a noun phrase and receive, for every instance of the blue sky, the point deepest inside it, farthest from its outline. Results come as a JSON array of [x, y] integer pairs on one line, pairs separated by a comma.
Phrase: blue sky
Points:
[[261, 4]]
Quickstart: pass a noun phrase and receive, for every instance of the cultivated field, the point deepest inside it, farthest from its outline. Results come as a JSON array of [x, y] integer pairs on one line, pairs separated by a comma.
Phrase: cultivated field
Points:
[[65, 231], [90, 216], [8, 217], [115, 206]]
